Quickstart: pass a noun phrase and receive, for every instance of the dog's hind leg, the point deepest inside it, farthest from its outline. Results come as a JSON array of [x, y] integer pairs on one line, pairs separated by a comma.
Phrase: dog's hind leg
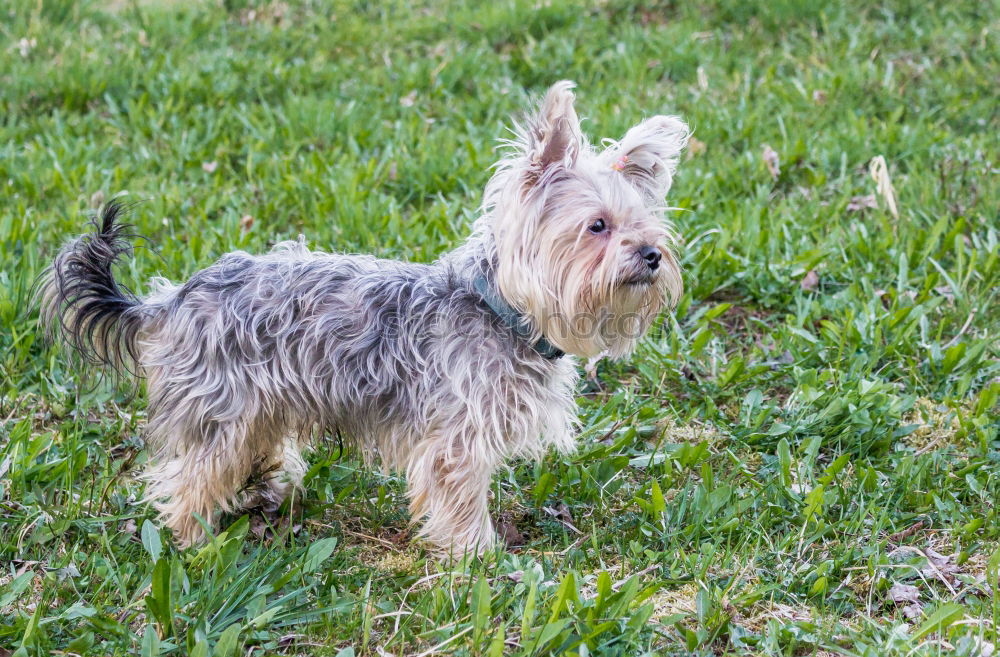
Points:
[[276, 473], [203, 478]]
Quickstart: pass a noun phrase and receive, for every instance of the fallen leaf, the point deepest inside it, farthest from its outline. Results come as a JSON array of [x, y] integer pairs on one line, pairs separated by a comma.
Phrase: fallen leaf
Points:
[[25, 46], [128, 527], [560, 512], [97, 199], [945, 291], [210, 167], [695, 147], [819, 96], [858, 203], [509, 534], [904, 593], [258, 526], [771, 160], [912, 611], [914, 528], [409, 99], [65, 572], [516, 576], [246, 222], [289, 640], [940, 567], [23, 566], [590, 367], [810, 281], [879, 171]]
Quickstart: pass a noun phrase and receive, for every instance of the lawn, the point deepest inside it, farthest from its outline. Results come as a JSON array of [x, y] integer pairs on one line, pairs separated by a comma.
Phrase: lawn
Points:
[[801, 459]]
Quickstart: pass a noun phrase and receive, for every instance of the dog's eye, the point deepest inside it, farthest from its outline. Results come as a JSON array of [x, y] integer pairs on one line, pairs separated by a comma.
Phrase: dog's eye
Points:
[[597, 227]]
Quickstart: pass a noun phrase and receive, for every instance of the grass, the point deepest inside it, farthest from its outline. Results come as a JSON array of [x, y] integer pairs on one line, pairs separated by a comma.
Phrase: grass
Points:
[[813, 431]]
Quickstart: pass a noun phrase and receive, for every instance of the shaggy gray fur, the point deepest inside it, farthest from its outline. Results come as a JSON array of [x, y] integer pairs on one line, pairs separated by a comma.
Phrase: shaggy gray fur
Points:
[[247, 359]]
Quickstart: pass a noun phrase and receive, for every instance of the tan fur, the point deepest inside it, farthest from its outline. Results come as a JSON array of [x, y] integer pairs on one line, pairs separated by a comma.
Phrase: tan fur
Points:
[[412, 363]]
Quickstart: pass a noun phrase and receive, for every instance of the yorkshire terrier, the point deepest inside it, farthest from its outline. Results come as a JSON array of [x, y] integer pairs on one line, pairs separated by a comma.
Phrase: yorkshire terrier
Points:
[[441, 371]]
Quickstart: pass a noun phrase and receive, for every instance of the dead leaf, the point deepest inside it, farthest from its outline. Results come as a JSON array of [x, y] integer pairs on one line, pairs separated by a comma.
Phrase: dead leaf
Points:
[[590, 367], [97, 199], [25, 46], [509, 534], [289, 640], [695, 147], [914, 528], [409, 99], [129, 527], [246, 222], [904, 593], [210, 167], [819, 96], [771, 160], [879, 172], [516, 576], [66, 572], [810, 281], [912, 611], [940, 567], [258, 526], [946, 292], [562, 513], [22, 566], [858, 203]]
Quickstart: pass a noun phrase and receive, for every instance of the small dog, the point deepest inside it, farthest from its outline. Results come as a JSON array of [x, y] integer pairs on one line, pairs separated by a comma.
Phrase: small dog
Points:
[[441, 371]]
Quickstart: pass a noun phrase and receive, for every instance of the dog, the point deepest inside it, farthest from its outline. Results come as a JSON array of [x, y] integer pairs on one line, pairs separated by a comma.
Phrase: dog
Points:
[[440, 371]]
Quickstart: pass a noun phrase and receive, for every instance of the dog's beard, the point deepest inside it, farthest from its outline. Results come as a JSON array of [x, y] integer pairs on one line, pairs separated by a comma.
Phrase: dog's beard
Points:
[[609, 318], [591, 302]]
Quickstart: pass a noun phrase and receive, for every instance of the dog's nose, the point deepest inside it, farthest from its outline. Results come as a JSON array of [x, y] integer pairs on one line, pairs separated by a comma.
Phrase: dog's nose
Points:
[[651, 255]]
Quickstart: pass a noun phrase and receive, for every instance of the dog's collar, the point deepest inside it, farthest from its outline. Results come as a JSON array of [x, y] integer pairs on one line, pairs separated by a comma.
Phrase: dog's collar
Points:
[[509, 316]]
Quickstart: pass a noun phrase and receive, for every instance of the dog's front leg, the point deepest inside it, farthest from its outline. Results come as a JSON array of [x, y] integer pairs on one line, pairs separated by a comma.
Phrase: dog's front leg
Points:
[[448, 479]]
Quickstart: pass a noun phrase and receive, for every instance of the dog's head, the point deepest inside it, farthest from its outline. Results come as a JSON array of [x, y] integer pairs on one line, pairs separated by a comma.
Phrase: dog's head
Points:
[[583, 248]]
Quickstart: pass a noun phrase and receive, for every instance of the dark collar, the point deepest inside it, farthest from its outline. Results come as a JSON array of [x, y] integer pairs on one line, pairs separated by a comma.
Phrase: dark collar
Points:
[[512, 319]]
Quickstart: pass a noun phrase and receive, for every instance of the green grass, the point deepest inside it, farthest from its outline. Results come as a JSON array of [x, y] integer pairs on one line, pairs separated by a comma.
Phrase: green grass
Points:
[[784, 450]]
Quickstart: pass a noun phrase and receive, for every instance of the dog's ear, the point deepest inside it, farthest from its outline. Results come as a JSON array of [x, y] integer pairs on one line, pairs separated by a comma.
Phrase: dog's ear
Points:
[[647, 155], [552, 136]]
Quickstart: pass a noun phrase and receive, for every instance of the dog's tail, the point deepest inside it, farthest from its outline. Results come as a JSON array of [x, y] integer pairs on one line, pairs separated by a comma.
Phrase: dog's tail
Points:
[[83, 305]]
